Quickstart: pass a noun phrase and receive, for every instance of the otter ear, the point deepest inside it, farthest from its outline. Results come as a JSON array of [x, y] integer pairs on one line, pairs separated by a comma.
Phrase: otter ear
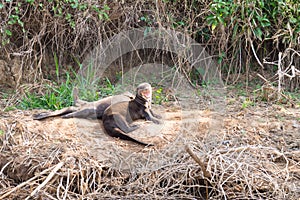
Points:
[[138, 91]]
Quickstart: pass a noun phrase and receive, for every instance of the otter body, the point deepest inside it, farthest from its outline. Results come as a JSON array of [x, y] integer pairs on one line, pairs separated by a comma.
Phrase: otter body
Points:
[[117, 118], [84, 109]]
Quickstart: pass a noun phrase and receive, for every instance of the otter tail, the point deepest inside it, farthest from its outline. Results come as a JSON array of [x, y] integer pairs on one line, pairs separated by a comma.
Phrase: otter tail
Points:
[[44, 115], [116, 132]]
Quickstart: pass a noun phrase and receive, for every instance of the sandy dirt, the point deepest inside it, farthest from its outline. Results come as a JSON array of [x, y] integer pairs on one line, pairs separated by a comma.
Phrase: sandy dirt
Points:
[[263, 129]]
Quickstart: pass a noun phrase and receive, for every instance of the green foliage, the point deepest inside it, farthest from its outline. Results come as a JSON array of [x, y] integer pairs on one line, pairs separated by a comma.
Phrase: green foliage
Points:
[[294, 96], [108, 88], [14, 19], [238, 16], [87, 83], [290, 10], [221, 10], [56, 66], [10, 108], [55, 96], [256, 17], [159, 96], [247, 103], [66, 11], [59, 94], [101, 12]]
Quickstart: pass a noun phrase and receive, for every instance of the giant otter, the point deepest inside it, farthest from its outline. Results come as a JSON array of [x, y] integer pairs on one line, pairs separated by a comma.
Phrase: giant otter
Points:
[[117, 118]]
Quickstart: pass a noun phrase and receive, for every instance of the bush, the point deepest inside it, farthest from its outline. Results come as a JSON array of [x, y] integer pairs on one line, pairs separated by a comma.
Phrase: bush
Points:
[[241, 34]]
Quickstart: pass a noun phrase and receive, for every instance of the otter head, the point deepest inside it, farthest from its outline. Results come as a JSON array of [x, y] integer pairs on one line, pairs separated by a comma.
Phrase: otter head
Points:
[[144, 90]]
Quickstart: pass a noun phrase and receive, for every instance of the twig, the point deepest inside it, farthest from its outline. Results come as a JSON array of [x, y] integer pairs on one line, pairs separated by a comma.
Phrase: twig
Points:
[[263, 78], [25, 183], [257, 59], [206, 174], [3, 168], [49, 177], [280, 75]]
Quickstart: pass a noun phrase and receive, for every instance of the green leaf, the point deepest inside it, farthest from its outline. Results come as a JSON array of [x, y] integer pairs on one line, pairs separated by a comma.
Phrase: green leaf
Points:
[[68, 16], [258, 33], [213, 26], [20, 23], [211, 18], [181, 23], [264, 21], [83, 7], [293, 20], [235, 29], [30, 1], [106, 7], [8, 32], [105, 15], [147, 30]]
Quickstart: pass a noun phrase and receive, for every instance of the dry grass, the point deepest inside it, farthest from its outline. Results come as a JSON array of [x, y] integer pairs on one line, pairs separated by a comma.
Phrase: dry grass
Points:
[[235, 162]]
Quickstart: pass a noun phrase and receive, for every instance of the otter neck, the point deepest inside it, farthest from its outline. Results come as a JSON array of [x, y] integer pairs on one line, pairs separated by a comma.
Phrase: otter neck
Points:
[[141, 101]]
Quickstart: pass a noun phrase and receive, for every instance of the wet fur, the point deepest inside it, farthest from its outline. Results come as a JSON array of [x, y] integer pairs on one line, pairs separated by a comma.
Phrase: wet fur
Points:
[[118, 118], [84, 109]]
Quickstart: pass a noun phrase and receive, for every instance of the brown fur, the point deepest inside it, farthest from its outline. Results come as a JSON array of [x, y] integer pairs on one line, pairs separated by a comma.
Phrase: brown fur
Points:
[[84, 109], [118, 117]]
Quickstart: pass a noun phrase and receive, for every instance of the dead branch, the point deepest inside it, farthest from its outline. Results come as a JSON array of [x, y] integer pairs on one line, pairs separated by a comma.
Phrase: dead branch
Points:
[[30, 180], [49, 177], [206, 174]]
